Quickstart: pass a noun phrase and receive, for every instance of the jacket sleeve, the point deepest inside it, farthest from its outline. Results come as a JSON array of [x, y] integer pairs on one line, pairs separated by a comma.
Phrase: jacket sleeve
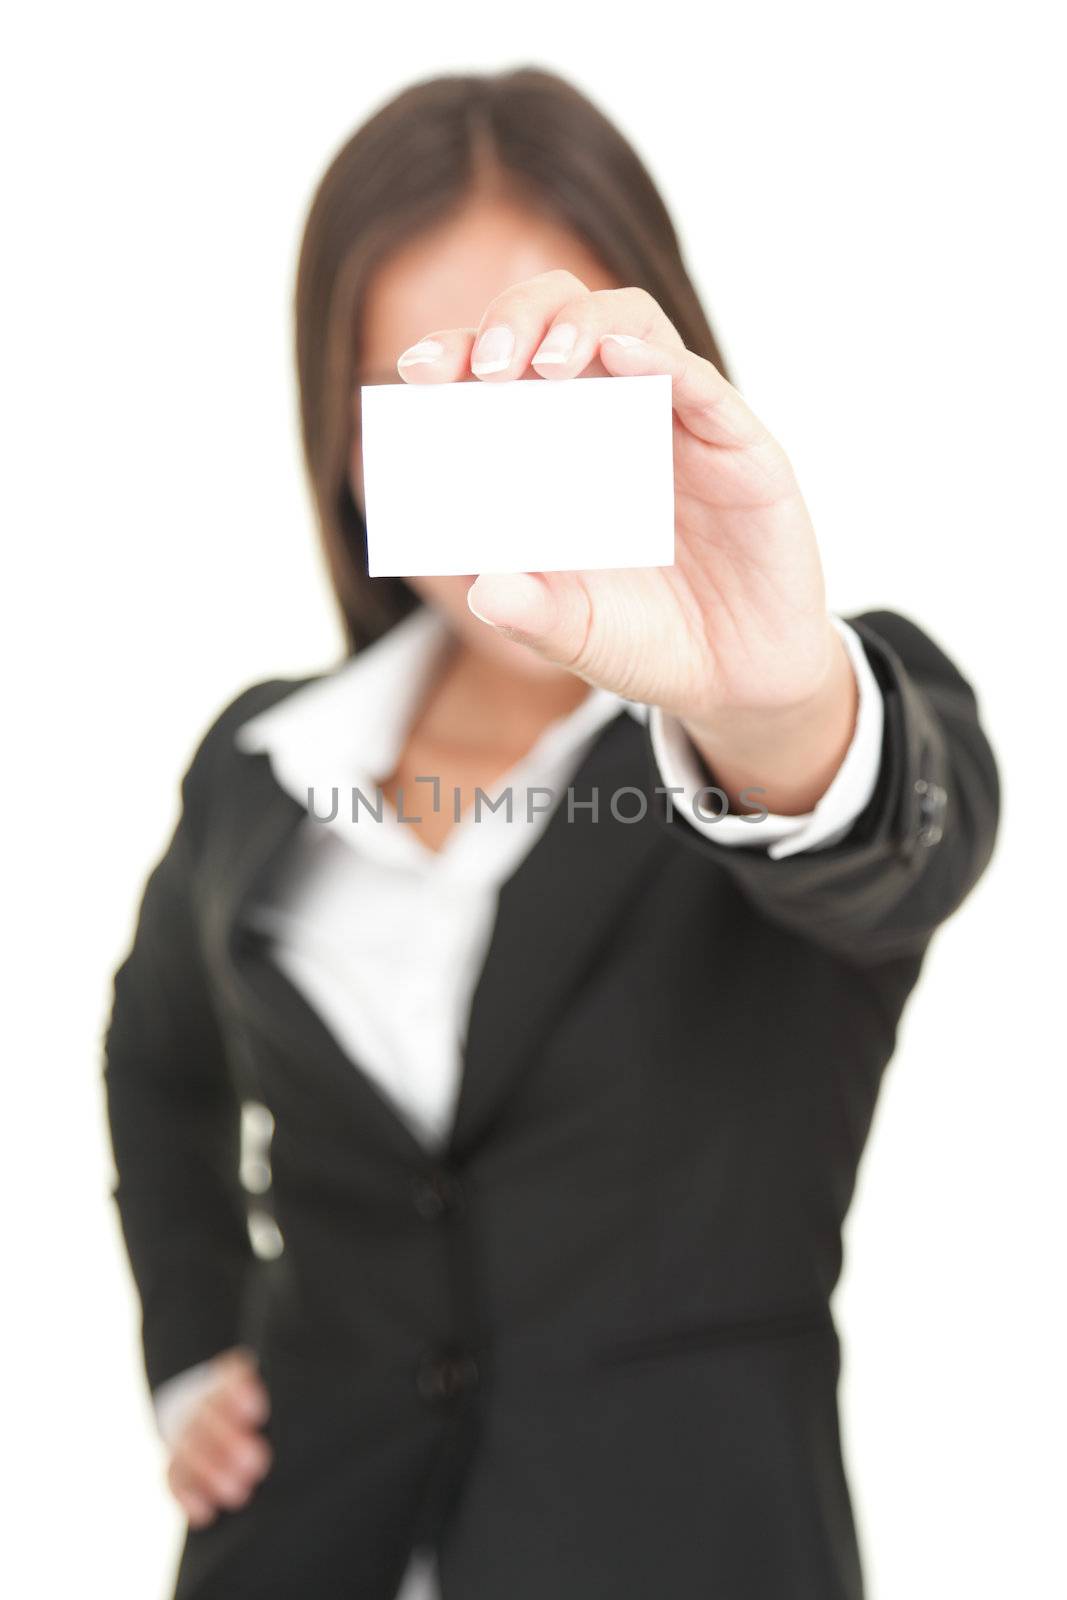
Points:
[[925, 836], [174, 1118]]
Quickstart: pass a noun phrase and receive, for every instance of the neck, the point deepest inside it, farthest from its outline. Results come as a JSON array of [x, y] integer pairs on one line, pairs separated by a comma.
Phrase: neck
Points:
[[479, 701]]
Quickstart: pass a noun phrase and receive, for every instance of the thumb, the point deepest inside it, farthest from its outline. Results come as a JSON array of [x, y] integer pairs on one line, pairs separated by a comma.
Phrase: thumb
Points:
[[550, 613]]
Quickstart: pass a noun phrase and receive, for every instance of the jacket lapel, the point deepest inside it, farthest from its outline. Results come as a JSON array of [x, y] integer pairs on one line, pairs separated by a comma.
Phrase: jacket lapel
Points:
[[262, 993], [554, 913]]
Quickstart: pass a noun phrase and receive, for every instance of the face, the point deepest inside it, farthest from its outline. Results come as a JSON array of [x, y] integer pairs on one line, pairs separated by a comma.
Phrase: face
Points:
[[445, 278]]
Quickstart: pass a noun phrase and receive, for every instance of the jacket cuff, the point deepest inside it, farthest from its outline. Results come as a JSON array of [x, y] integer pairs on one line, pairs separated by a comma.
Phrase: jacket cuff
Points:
[[682, 769], [901, 822]]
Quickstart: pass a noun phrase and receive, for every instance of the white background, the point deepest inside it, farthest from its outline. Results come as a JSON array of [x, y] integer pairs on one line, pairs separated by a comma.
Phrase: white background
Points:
[[868, 198]]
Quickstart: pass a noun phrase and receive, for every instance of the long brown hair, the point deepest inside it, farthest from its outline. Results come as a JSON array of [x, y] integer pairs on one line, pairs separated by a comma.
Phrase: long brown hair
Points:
[[410, 165]]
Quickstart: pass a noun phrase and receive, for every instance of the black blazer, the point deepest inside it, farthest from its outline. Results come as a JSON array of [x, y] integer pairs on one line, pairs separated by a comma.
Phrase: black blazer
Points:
[[589, 1354]]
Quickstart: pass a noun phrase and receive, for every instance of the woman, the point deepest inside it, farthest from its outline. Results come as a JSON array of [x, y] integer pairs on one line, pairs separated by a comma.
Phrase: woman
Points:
[[566, 1106]]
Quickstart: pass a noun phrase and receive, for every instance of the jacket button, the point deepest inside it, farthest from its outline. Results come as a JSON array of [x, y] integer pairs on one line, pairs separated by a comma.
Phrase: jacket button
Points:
[[932, 797], [443, 1377], [437, 1196]]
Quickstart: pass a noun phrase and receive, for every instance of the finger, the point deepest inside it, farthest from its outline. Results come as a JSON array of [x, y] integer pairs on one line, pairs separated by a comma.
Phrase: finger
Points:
[[515, 322], [201, 1478], [199, 1511], [550, 612], [237, 1362], [198, 1465], [706, 403], [551, 317], [238, 1452], [243, 1397], [235, 1444], [573, 338], [443, 356]]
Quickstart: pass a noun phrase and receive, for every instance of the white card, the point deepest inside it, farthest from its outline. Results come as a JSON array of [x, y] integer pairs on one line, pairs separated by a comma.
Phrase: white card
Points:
[[530, 475]]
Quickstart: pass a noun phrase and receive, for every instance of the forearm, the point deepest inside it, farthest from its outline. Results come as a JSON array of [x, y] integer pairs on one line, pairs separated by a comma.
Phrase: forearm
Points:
[[173, 1115]]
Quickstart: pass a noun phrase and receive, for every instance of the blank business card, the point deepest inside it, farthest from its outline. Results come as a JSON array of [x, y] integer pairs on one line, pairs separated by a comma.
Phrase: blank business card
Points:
[[526, 476]]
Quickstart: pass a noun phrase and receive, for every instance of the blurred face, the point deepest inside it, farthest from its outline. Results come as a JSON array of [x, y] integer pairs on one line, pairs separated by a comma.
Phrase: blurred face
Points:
[[446, 278]]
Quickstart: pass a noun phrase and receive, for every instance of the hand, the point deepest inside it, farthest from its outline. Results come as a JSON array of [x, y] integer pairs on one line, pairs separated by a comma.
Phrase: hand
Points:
[[735, 638], [220, 1455]]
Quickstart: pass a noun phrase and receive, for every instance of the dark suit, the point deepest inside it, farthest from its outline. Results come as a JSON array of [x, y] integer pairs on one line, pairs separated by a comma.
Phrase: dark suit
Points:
[[590, 1353]]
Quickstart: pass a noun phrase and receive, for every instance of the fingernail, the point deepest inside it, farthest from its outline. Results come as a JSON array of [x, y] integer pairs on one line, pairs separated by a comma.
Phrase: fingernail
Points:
[[493, 351], [557, 346], [621, 338], [476, 612], [520, 597], [419, 354]]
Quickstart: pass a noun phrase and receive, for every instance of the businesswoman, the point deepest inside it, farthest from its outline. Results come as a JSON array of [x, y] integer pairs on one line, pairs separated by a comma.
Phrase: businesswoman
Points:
[[567, 1095]]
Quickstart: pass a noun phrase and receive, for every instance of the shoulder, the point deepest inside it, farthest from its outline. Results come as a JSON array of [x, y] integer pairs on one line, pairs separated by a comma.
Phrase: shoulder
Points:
[[257, 697], [216, 754]]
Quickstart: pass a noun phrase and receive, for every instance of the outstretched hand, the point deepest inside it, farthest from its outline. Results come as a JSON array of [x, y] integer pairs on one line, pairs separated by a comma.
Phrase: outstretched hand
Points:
[[734, 638]]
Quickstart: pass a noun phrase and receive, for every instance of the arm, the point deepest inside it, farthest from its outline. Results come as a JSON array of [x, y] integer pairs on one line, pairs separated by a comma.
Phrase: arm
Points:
[[735, 641], [175, 1125], [923, 839]]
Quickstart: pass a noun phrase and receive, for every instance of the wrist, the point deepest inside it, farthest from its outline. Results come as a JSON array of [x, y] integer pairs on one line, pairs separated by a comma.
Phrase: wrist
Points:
[[789, 752]]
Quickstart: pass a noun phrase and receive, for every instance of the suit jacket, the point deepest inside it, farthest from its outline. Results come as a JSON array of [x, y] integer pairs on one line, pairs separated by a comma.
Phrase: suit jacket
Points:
[[589, 1352]]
